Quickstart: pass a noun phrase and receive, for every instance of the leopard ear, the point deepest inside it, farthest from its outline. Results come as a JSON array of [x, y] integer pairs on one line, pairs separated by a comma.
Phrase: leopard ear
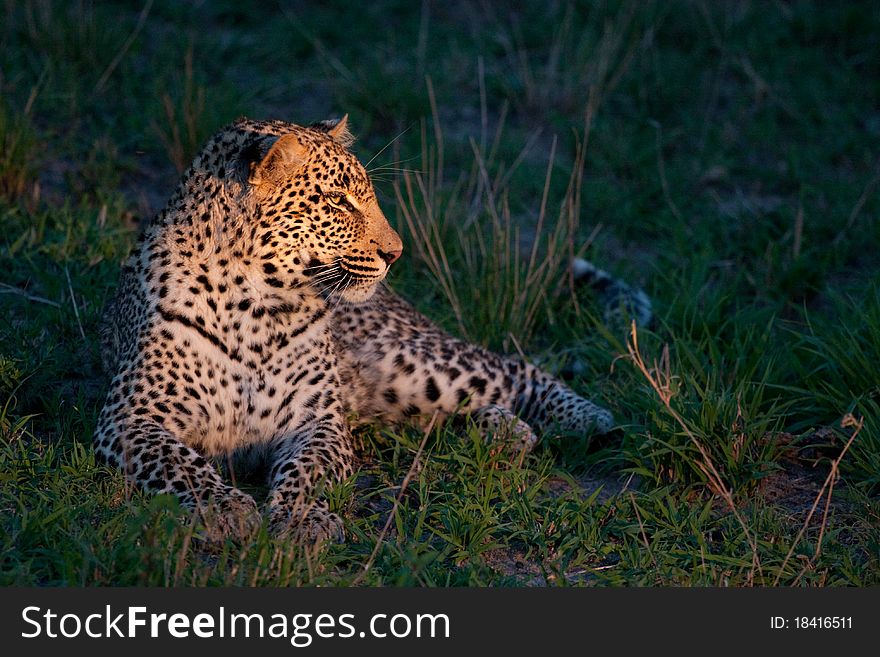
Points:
[[337, 130], [285, 156]]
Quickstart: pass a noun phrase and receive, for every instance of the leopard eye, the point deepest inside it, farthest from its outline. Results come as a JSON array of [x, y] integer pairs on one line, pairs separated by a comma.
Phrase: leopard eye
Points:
[[339, 200]]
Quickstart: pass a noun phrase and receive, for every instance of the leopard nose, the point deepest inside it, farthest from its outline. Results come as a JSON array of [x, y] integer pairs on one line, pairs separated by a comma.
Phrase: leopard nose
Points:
[[389, 256]]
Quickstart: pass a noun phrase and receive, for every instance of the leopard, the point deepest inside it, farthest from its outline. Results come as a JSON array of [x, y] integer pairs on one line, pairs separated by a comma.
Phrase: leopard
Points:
[[252, 323]]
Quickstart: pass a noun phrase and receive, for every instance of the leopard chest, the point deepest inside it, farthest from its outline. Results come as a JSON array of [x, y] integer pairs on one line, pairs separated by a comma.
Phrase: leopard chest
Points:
[[255, 385]]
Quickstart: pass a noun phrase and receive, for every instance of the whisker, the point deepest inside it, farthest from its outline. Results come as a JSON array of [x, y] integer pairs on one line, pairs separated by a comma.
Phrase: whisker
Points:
[[324, 289], [367, 165], [334, 295], [325, 278], [336, 299], [395, 169], [325, 274], [394, 164], [329, 280], [321, 266]]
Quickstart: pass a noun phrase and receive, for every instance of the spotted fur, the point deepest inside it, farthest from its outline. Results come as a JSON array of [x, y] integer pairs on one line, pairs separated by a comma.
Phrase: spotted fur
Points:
[[248, 320]]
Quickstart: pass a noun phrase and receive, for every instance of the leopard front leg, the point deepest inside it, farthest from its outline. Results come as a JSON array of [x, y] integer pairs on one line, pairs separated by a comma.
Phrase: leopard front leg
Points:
[[156, 461], [315, 454]]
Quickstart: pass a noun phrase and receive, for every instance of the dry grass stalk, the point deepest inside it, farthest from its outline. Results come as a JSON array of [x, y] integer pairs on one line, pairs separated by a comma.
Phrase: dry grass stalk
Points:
[[848, 422], [142, 19], [660, 379], [413, 470], [183, 135], [635, 506]]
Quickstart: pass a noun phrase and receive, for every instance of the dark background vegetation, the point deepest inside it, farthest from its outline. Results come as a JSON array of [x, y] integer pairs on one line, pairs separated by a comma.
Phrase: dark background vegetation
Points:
[[725, 155]]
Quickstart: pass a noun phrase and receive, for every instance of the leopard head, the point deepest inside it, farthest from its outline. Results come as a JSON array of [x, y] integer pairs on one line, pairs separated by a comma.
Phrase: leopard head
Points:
[[319, 220]]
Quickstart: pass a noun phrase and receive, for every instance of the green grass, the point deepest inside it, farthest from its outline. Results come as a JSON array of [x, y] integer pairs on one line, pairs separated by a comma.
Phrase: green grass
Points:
[[723, 155]]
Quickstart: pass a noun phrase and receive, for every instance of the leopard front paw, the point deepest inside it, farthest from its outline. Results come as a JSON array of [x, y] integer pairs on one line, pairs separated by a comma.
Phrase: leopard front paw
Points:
[[229, 514], [308, 524]]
